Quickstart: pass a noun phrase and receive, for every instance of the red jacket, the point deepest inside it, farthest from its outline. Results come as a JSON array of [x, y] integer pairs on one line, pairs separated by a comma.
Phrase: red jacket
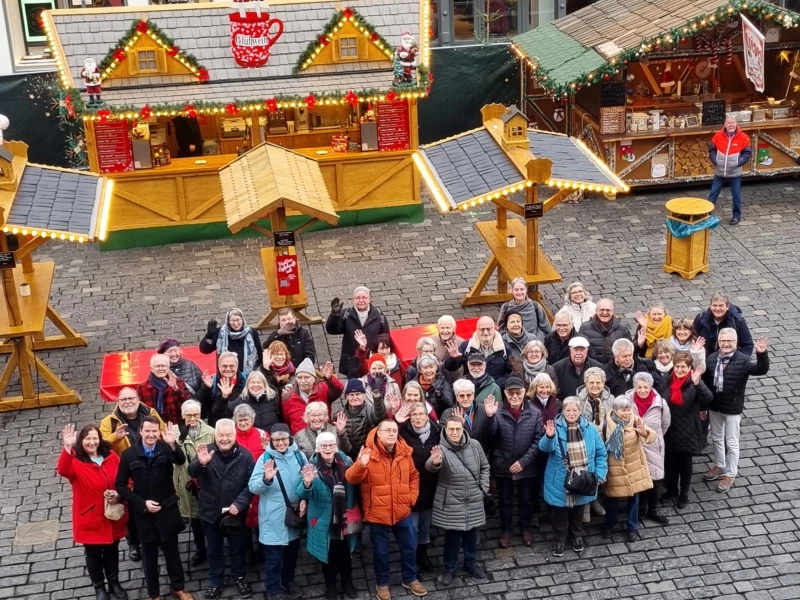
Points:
[[729, 154], [172, 399], [252, 441], [294, 406], [89, 481]]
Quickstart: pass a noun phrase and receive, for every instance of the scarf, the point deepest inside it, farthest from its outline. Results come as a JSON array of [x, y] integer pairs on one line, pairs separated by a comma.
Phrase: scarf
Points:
[[515, 412], [160, 386], [533, 369], [643, 404], [603, 328], [333, 476], [687, 347], [225, 335], [543, 400], [391, 363], [424, 383], [474, 345], [663, 368], [479, 382], [675, 389], [423, 432], [655, 332], [616, 441], [228, 456], [577, 458], [719, 372], [286, 369], [595, 404], [627, 374]]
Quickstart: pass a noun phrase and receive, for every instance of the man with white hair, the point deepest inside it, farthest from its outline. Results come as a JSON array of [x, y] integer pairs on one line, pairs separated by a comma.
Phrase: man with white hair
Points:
[[603, 329], [362, 317], [446, 326], [726, 375], [163, 390], [486, 341], [223, 470]]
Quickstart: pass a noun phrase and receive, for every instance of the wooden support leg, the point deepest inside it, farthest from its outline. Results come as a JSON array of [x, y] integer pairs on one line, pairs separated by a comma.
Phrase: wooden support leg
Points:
[[8, 371], [265, 322], [24, 352], [477, 295], [69, 338]]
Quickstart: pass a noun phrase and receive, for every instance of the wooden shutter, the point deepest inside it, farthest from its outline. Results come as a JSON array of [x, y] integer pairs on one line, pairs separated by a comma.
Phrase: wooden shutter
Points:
[[161, 60], [362, 47], [337, 54], [133, 62]]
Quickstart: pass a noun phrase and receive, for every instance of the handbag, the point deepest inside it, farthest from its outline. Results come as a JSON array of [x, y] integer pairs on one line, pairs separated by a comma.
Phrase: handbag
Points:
[[582, 483], [489, 505], [113, 512], [292, 518], [355, 522]]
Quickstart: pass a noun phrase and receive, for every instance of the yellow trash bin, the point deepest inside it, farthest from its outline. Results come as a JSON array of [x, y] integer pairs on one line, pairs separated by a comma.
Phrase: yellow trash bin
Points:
[[689, 224]]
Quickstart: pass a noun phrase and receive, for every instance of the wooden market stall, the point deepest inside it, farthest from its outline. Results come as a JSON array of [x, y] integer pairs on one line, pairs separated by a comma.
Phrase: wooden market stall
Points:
[[504, 162], [185, 89], [646, 85]]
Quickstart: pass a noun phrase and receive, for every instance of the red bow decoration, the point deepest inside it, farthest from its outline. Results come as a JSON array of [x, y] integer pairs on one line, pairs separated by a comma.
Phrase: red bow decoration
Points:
[[189, 111], [323, 40], [347, 12], [103, 113], [310, 101], [173, 51], [232, 109], [145, 113], [119, 55], [272, 105], [202, 74], [391, 96], [351, 98], [374, 37], [430, 77], [142, 27]]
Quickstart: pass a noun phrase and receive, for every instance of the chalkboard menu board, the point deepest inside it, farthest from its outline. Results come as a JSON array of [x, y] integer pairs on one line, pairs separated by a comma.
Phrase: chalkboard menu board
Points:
[[114, 153], [612, 94], [612, 120], [393, 132], [714, 112]]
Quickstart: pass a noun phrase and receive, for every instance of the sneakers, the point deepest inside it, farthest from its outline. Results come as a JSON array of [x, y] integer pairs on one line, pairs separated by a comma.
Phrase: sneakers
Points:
[[598, 508], [244, 588], [527, 538], [577, 544], [445, 578], [505, 539], [631, 535], [416, 588], [725, 484], [606, 532], [476, 571], [292, 590], [213, 593], [683, 501], [713, 473], [558, 549], [656, 516], [382, 592]]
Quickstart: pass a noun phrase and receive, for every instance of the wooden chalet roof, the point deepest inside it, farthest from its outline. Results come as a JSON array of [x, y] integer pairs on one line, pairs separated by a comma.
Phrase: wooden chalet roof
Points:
[[268, 177]]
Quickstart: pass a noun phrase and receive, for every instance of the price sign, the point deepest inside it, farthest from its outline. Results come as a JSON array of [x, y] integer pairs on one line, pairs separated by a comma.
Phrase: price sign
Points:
[[393, 133], [288, 272], [534, 211], [283, 239], [7, 261], [114, 152]]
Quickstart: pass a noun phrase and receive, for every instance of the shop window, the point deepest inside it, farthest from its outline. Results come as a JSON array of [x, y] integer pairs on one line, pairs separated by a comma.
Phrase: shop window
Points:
[[500, 19], [348, 48], [463, 20]]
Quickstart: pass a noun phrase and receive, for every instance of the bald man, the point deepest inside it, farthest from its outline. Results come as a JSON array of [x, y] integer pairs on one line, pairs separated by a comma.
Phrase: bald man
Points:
[[489, 343]]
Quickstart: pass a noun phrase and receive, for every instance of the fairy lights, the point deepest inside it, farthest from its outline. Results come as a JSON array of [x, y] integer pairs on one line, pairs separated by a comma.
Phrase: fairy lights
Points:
[[61, 235]]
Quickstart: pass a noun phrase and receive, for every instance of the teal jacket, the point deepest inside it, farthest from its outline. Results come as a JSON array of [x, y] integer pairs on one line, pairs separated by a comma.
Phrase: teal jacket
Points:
[[271, 506], [320, 510]]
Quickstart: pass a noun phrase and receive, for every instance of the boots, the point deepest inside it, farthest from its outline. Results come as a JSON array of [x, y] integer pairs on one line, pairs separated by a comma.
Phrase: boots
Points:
[[424, 564], [331, 593], [117, 590], [349, 588], [100, 592]]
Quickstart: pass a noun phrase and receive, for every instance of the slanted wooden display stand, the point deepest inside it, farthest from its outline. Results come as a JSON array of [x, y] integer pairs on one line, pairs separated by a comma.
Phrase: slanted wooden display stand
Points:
[[269, 180]]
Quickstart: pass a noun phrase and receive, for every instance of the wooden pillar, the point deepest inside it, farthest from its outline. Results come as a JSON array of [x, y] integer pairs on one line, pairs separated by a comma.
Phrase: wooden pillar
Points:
[[255, 130], [277, 219], [532, 250], [502, 217]]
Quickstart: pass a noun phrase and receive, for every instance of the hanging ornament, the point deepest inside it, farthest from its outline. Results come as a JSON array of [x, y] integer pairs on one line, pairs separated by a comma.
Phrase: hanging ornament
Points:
[[232, 109], [119, 55], [145, 113], [104, 114], [189, 111], [271, 104], [667, 79], [173, 51], [726, 45], [351, 98], [606, 76], [142, 27], [202, 74], [310, 101]]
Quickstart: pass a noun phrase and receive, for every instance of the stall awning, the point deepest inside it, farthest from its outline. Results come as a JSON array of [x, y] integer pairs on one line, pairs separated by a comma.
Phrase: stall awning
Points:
[[268, 177]]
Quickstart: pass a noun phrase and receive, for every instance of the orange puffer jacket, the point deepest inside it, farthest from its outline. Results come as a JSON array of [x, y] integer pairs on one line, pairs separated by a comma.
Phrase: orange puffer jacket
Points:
[[389, 484]]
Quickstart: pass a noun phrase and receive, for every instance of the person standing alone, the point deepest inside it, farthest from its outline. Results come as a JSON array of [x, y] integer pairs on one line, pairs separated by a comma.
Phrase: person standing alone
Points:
[[729, 151]]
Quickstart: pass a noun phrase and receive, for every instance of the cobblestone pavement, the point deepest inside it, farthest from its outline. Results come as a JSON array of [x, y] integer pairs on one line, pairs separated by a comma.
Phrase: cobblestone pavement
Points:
[[740, 545]]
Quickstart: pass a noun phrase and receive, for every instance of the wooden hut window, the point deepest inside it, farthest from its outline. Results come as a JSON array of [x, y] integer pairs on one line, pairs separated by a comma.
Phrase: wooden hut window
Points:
[[348, 48], [516, 132]]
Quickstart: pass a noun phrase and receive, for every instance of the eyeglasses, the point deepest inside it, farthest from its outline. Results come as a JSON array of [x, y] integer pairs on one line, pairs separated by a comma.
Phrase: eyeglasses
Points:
[[485, 328], [562, 325], [515, 392], [276, 440], [191, 416], [128, 399], [388, 431], [603, 310], [328, 446], [727, 341]]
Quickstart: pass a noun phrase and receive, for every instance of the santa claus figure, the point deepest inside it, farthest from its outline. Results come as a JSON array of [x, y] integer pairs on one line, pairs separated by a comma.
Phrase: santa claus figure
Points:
[[405, 59], [91, 76]]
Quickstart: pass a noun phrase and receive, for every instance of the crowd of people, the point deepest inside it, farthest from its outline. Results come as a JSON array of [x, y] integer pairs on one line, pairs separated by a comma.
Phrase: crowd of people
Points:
[[272, 452]]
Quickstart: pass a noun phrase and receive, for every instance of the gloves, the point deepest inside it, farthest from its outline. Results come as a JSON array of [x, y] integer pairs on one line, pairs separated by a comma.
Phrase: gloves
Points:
[[336, 306], [212, 328], [287, 329], [377, 384]]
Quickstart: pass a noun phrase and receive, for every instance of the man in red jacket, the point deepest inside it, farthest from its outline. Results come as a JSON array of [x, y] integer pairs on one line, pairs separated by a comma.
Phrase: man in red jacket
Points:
[[728, 151]]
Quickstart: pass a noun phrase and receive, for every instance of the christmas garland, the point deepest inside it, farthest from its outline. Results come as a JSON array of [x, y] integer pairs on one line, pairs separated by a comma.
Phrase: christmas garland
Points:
[[332, 28], [118, 53], [667, 40]]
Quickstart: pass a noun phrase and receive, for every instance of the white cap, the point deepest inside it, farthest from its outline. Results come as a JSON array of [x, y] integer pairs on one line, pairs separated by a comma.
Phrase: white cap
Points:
[[579, 342]]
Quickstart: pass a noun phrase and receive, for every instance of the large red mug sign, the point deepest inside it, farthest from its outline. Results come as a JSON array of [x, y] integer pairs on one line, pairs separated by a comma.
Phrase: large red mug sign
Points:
[[252, 35], [288, 272]]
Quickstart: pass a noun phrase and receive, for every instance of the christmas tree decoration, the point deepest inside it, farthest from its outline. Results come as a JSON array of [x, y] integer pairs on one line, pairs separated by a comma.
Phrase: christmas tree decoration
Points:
[[271, 104], [189, 111], [145, 113], [103, 114], [173, 51], [352, 99]]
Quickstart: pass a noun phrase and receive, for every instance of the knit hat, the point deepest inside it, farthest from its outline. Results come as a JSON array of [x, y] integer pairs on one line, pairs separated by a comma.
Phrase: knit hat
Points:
[[279, 428], [354, 386], [362, 288], [306, 367], [375, 358], [325, 437], [167, 344]]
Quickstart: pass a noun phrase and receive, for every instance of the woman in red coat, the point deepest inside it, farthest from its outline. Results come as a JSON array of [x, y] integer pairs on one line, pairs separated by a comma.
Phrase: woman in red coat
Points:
[[90, 466], [255, 440]]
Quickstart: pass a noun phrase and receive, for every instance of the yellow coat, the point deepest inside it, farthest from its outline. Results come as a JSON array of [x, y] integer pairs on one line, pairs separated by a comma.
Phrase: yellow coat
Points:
[[630, 474], [111, 422]]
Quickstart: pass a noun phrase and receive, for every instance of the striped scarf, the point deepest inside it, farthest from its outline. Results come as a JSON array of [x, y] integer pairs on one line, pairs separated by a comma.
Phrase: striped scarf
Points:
[[719, 372], [576, 456]]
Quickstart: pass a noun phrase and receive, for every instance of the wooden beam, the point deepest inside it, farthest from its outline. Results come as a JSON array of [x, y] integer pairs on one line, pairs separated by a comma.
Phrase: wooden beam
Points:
[[509, 205], [17, 403], [502, 217], [138, 200], [181, 195], [651, 80], [306, 225], [555, 199], [277, 219], [377, 182], [480, 282], [215, 199], [30, 246], [260, 230]]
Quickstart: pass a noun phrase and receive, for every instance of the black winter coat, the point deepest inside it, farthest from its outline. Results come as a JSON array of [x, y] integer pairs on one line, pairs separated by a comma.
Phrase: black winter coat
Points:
[[615, 381], [497, 365], [214, 406], [706, 326], [568, 380], [345, 324], [208, 345], [419, 454], [152, 480], [730, 400], [359, 422], [223, 482], [478, 429], [685, 433], [268, 412], [602, 338], [516, 441], [439, 394], [556, 349], [300, 344]]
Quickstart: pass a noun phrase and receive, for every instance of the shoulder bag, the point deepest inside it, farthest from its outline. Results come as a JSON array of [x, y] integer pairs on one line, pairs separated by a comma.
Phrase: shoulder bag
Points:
[[292, 519], [583, 483]]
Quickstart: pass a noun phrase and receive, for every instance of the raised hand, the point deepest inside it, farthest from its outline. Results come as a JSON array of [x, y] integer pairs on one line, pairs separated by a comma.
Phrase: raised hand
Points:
[[699, 343], [172, 380], [69, 437], [327, 370], [401, 416], [225, 386], [341, 422], [266, 359], [363, 456], [452, 349], [121, 432], [550, 429], [360, 338], [208, 380], [395, 403], [641, 319], [459, 412], [336, 306], [761, 344], [212, 327], [204, 456], [696, 374], [270, 469], [170, 434], [308, 472], [642, 336], [490, 405], [436, 455]]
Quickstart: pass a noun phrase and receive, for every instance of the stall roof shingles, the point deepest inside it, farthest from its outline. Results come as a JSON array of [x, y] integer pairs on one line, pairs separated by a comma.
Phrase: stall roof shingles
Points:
[[570, 162], [472, 165], [55, 199], [557, 52]]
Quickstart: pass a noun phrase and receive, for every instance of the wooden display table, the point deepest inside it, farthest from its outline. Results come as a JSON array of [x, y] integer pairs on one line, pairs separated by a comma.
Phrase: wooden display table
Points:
[[688, 256]]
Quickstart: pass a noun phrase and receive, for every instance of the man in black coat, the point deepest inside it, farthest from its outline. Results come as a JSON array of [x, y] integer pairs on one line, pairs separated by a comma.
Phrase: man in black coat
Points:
[[726, 375], [719, 315], [297, 339], [570, 371], [362, 316], [620, 371], [153, 502], [218, 391], [223, 470], [603, 329], [487, 341]]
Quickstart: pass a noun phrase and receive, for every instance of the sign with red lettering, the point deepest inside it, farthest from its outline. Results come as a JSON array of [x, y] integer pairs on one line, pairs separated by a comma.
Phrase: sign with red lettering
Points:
[[114, 152], [252, 34], [288, 272], [393, 128]]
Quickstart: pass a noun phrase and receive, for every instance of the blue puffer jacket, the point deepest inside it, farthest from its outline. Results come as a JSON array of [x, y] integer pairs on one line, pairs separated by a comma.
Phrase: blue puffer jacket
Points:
[[271, 506], [554, 492], [320, 511]]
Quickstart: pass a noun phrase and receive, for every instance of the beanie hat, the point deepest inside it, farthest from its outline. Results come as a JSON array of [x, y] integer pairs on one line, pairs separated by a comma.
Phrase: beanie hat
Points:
[[279, 428], [375, 358], [354, 385], [167, 344], [306, 367], [325, 437]]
